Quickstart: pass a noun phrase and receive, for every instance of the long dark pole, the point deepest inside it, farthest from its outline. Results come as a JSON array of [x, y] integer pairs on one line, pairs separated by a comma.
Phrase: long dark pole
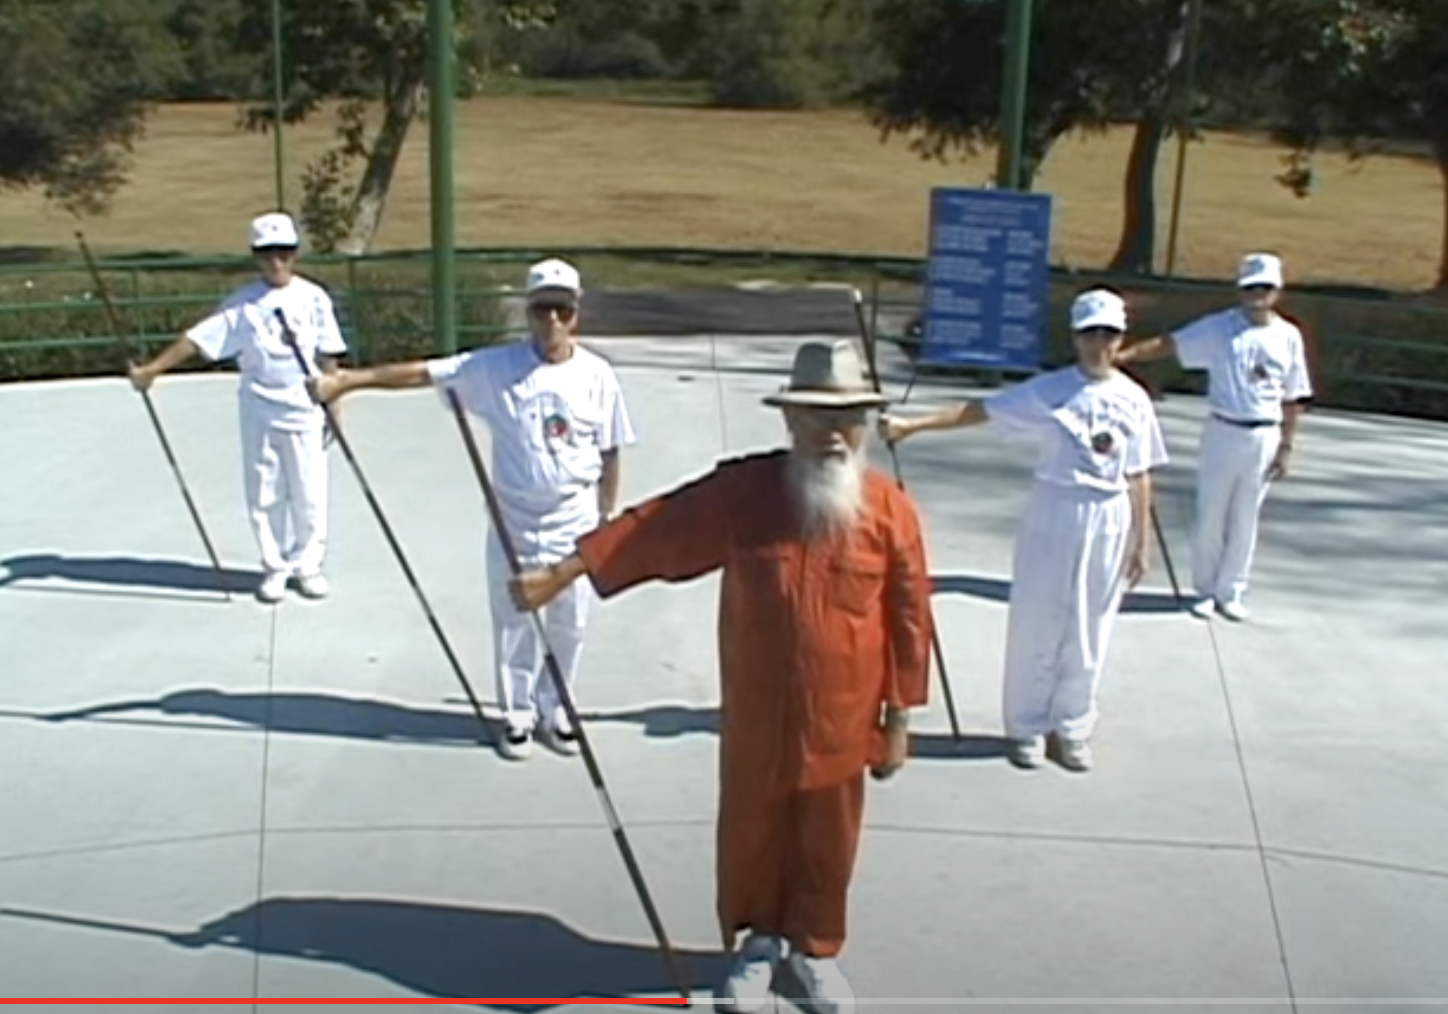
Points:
[[555, 672], [155, 419], [868, 338], [291, 339]]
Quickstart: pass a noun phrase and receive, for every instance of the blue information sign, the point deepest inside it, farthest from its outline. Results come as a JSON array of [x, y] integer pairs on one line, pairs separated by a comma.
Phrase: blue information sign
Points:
[[987, 285]]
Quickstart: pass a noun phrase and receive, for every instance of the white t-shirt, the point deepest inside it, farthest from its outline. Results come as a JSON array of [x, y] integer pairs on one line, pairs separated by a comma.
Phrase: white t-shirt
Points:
[[551, 422], [1093, 433], [1250, 369], [244, 327]]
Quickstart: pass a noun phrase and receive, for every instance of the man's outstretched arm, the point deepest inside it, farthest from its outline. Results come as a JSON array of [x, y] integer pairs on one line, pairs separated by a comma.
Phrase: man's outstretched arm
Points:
[[674, 537]]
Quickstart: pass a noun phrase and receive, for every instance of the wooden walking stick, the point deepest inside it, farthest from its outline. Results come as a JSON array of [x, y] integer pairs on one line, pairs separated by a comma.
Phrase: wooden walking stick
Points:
[[555, 672], [869, 341], [155, 419]]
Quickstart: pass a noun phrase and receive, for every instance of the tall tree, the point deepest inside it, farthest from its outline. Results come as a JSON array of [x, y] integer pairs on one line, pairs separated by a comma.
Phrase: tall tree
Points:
[[76, 83], [360, 53], [1371, 72]]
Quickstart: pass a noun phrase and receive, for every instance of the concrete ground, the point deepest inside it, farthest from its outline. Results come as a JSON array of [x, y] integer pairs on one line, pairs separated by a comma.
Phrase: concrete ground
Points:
[[203, 799]]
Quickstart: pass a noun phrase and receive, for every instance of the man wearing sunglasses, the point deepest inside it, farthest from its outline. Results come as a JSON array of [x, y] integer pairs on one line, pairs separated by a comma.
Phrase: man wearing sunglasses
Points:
[[1258, 384], [558, 420]]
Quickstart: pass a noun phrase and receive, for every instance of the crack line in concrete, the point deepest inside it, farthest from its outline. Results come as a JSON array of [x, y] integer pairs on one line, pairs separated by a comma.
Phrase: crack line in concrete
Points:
[[271, 668]]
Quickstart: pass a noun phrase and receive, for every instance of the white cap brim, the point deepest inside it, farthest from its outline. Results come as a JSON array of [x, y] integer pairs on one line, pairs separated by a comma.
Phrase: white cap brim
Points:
[[1103, 318]]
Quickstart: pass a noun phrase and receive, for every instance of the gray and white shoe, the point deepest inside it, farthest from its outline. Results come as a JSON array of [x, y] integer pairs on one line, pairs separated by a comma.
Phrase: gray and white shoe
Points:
[[516, 742], [1027, 753], [1203, 608], [1233, 609], [826, 990], [1075, 754], [746, 989]]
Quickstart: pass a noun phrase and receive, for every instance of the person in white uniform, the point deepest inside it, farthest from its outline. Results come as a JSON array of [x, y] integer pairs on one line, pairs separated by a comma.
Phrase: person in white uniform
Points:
[[1084, 539], [558, 419], [1258, 384], [284, 436]]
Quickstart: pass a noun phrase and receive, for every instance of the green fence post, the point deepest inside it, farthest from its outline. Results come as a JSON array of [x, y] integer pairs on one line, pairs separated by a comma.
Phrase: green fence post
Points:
[[1013, 94], [440, 136]]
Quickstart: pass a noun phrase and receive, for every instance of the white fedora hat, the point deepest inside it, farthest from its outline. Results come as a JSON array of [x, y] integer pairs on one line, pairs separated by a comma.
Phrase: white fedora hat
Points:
[[827, 376]]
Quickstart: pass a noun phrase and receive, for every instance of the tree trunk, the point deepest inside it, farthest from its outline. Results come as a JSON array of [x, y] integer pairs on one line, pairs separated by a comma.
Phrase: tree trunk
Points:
[[1438, 135], [371, 199], [1137, 248]]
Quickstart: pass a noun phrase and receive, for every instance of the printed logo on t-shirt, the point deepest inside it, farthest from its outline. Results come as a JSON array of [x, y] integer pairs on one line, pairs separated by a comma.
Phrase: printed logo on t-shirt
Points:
[[1103, 442], [555, 426]]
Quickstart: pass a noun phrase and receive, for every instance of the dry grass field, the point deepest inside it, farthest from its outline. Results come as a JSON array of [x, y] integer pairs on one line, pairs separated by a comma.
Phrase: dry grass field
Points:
[[541, 172]]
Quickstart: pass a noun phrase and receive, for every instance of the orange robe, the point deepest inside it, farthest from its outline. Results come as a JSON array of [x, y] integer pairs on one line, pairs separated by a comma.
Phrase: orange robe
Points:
[[816, 638]]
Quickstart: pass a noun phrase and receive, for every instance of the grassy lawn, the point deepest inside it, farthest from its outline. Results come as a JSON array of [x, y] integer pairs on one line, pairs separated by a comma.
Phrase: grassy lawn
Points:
[[637, 170]]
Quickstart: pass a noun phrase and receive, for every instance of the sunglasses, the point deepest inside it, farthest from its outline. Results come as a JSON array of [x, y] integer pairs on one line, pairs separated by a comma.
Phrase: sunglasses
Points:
[[565, 311], [1099, 332]]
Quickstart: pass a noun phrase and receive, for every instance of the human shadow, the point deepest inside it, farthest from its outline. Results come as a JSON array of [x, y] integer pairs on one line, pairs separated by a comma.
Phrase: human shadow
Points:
[[996, 590], [536, 961], [672, 721], [304, 714], [127, 571]]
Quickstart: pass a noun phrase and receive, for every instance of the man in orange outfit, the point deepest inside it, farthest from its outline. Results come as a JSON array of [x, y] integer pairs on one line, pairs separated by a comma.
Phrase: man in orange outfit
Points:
[[824, 647]]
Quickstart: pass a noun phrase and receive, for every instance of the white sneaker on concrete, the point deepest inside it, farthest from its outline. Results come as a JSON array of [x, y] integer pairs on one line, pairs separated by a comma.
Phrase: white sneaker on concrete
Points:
[[747, 987], [273, 587], [826, 989], [1203, 608], [1027, 753], [516, 742], [313, 586], [1233, 609], [561, 734], [1075, 754]]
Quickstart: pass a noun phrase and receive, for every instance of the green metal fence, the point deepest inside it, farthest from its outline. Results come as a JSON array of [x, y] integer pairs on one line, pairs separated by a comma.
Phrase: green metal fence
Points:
[[1370, 353]]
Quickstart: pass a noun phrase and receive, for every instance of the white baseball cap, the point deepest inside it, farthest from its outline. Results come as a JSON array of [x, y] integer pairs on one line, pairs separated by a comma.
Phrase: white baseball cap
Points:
[[1098, 308], [554, 274], [1260, 269], [274, 230]]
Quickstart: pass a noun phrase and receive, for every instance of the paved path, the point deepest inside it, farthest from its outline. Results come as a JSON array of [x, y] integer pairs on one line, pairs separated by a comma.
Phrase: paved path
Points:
[[202, 799]]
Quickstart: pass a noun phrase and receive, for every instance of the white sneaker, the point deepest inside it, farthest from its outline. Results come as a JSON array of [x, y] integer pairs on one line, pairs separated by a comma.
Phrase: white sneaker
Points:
[[747, 988], [273, 587], [1028, 753], [1233, 609], [1203, 608], [826, 989], [561, 735], [1075, 754], [313, 586], [516, 742]]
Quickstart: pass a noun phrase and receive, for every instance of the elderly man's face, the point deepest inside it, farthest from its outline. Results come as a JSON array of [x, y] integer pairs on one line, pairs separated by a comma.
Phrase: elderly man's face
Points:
[[827, 432], [552, 316]]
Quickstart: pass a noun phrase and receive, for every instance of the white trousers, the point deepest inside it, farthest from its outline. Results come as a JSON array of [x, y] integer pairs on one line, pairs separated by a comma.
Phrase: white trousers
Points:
[[526, 693], [1066, 590], [285, 475], [1231, 486]]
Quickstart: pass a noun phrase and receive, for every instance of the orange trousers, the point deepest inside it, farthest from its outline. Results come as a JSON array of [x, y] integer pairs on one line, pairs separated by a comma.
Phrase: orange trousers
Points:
[[784, 863]]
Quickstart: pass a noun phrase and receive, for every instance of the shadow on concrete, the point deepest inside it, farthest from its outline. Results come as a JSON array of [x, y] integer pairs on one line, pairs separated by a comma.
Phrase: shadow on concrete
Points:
[[670, 721], [302, 714], [439, 951], [127, 571], [996, 590]]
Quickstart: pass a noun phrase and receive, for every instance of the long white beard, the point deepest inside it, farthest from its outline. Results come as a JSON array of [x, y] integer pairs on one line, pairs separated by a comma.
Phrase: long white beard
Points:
[[829, 491]]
